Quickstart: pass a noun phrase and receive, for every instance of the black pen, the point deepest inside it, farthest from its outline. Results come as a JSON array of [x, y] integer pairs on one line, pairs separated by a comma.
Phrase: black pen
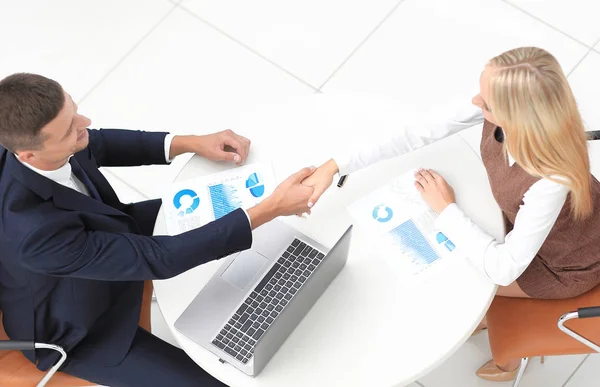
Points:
[[342, 181]]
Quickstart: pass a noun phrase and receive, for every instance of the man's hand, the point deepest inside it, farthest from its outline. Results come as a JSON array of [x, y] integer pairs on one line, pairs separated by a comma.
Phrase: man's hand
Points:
[[289, 198], [320, 180], [436, 192], [221, 146]]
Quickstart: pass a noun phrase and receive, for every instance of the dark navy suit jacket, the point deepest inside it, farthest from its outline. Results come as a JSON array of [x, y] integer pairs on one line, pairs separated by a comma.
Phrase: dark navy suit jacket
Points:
[[72, 267]]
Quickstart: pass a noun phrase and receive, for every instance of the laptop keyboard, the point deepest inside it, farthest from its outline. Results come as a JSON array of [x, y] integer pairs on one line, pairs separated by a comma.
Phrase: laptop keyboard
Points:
[[268, 299]]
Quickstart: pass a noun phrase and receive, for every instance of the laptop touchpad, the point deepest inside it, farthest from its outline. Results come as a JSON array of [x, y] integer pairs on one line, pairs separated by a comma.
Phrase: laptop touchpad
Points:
[[244, 268]]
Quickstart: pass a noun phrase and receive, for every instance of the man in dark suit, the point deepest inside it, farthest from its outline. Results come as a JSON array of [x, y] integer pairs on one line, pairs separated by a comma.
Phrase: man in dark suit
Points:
[[73, 257]]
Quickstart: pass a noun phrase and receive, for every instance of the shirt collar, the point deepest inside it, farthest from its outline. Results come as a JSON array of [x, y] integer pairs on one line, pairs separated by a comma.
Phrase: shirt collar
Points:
[[61, 175], [511, 161]]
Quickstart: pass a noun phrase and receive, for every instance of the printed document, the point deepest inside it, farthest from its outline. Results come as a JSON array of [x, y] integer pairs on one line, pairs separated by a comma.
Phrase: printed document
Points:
[[193, 203], [403, 226]]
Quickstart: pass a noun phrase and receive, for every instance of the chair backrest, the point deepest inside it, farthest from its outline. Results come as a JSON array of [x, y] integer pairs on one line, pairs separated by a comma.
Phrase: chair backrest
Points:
[[3, 335]]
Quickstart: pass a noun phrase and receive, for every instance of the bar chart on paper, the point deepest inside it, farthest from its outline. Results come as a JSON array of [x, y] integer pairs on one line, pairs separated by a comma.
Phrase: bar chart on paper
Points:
[[413, 244], [225, 199]]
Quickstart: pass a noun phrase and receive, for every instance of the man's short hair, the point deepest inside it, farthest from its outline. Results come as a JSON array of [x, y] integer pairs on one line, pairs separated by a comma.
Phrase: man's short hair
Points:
[[28, 102]]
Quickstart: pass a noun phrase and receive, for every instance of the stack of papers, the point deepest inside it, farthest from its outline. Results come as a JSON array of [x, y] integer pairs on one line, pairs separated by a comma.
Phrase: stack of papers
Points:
[[193, 203]]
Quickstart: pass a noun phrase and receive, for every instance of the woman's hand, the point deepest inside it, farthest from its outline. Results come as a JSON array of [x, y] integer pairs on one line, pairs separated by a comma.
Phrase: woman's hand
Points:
[[320, 180], [436, 192]]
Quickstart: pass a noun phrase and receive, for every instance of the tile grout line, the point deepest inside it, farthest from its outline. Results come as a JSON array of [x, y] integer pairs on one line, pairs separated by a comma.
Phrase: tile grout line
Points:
[[114, 67], [582, 59], [419, 383], [361, 44], [126, 183], [545, 22], [575, 371], [247, 47], [596, 50]]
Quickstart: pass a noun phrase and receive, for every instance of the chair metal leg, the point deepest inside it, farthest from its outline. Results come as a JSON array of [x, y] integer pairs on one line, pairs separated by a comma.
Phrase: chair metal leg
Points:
[[572, 315], [55, 368], [524, 362]]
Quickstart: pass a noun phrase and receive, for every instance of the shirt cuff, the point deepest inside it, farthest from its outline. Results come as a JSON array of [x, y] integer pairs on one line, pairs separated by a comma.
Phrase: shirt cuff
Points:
[[343, 163], [248, 216], [465, 235], [168, 140]]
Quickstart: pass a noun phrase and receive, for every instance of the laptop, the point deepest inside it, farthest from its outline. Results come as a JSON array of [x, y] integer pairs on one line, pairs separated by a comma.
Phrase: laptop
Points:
[[258, 296]]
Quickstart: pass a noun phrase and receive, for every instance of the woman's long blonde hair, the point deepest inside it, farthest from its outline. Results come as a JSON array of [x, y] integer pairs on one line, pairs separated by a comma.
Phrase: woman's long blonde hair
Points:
[[533, 102]]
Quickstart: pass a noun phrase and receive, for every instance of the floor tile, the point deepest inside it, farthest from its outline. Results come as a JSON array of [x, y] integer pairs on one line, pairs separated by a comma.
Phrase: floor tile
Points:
[[74, 42], [429, 51], [588, 100], [578, 18], [587, 374], [585, 83], [309, 38], [459, 370], [184, 78]]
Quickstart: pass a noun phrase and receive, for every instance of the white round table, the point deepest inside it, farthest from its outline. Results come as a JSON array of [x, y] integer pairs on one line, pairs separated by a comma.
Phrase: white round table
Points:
[[368, 328]]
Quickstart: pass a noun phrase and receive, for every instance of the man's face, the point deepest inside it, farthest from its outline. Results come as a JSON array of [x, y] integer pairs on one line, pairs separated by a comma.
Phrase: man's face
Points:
[[63, 136]]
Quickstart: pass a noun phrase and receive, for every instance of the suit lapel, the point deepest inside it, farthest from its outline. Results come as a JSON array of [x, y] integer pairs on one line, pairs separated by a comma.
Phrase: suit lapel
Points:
[[63, 197], [98, 180], [70, 199]]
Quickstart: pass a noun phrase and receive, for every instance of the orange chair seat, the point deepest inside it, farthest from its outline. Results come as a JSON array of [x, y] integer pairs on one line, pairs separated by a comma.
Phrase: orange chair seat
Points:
[[520, 327], [17, 371]]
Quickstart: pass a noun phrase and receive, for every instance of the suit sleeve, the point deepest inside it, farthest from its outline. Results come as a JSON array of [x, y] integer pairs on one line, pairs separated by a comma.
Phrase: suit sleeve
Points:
[[64, 247], [126, 148]]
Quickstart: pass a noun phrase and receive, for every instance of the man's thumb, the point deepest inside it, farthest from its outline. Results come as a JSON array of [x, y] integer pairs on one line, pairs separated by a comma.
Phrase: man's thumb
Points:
[[304, 173]]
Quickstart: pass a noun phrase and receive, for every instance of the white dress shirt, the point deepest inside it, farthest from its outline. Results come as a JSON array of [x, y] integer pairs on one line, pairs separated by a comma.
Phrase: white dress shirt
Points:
[[64, 175], [504, 262]]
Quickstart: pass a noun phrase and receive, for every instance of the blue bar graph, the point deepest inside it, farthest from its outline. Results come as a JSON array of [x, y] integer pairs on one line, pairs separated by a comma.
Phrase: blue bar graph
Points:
[[224, 198], [412, 242]]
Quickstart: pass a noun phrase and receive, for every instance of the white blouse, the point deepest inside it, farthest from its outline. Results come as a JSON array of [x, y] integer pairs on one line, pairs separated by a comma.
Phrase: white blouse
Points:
[[504, 262]]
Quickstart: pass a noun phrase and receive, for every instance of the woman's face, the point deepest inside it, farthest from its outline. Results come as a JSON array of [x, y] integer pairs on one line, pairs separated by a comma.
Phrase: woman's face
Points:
[[482, 99]]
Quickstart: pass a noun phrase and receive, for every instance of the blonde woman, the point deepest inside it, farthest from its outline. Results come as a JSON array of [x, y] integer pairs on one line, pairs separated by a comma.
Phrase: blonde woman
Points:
[[534, 149]]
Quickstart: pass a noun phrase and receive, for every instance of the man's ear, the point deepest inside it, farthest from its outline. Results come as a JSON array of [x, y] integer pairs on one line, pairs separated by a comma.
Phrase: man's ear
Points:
[[25, 156]]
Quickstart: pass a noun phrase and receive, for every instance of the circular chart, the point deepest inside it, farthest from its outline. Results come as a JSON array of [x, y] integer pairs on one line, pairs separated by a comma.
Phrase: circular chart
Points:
[[382, 213], [187, 200], [256, 185]]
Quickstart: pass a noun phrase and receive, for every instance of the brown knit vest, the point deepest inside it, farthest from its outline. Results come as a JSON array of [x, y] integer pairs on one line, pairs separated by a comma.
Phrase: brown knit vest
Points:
[[568, 263]]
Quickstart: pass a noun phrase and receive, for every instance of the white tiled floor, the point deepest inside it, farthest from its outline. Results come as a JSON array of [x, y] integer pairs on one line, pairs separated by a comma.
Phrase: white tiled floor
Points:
[[155, 65], [310, 39], [74, 42], [587, 375], [431, 50], [576, 18]]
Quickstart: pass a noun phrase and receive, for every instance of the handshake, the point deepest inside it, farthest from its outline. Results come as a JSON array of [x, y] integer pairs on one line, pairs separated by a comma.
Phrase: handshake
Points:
[[295, 195]]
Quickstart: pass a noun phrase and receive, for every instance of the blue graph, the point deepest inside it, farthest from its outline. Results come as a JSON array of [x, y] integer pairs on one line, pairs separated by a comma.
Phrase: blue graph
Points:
[[256, 185], [224, 198], [412, 241], [382, 214], [177, 201]]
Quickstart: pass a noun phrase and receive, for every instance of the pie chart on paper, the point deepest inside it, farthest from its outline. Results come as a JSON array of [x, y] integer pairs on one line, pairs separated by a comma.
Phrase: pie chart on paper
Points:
[[256, 185], [382, 213]]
